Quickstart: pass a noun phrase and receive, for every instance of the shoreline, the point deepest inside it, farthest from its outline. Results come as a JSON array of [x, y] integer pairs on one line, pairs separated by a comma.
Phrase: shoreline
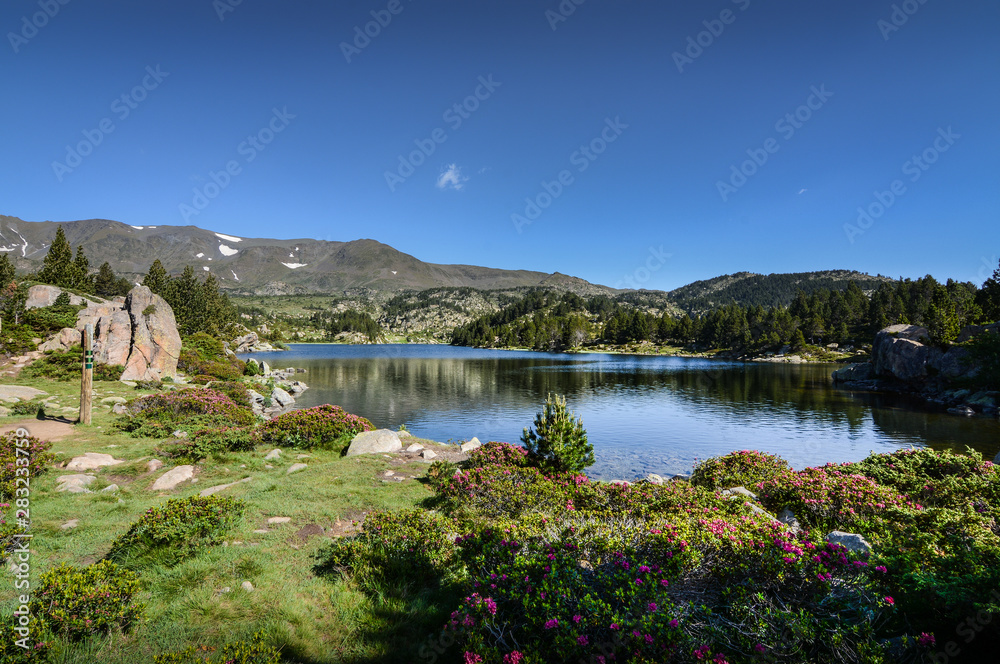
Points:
[[779, 359]]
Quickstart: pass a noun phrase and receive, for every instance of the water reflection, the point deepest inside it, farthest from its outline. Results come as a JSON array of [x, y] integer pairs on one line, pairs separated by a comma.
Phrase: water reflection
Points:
[[643, 414]]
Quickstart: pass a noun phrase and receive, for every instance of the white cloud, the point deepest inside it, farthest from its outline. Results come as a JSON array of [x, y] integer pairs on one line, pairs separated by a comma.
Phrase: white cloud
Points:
[[802, 191], [451, 178]]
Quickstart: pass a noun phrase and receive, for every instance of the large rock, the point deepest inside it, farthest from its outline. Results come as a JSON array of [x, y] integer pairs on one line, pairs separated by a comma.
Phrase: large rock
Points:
[[66, 338], [281, 397], [853, 542], [245, 343], [92, 460], [471, 445], [973, 331], [900, 352], [953, 364], [45, 296], [75, 483], [862, 371], [375, 442], [139, 333], [172, 478], [156, 343]]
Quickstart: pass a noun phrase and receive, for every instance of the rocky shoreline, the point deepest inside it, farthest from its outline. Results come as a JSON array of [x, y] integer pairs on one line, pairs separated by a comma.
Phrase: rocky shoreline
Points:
[[904, 362]]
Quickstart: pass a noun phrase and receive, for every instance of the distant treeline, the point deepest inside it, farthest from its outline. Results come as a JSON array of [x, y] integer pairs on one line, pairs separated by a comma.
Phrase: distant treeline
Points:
[[549, 321], [351, 320], [771, 290]]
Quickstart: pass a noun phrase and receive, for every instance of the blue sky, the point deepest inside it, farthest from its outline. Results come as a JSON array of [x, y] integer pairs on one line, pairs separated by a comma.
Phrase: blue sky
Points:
[[662, 142]]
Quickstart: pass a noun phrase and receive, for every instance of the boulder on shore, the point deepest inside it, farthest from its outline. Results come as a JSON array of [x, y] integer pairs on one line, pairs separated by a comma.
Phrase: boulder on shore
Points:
[[862, 371], [900, 352], [375, 442]]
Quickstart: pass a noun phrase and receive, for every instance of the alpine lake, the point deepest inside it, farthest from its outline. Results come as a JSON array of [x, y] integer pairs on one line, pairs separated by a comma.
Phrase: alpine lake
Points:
[[643, 414]]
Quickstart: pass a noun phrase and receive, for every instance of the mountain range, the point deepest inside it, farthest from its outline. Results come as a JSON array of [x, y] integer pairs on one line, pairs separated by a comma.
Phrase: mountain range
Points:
[[265, 266]]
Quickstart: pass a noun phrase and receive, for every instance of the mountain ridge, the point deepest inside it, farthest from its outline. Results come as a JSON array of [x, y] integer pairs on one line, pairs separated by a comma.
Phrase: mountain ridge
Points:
[[270, 266], [262, 265]]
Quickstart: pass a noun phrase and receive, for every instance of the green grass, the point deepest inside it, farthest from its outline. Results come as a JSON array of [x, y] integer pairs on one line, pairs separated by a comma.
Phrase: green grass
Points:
[[315, 619]]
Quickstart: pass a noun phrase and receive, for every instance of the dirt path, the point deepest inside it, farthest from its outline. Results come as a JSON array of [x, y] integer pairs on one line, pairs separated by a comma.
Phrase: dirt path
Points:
[[50, 430]]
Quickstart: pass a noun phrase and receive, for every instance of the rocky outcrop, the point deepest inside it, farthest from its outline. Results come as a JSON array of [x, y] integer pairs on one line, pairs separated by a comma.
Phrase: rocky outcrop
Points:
[[44, 295], [904, 361], [901, 352], [250, 343], [139, 333], [156, 343], [862, 371]]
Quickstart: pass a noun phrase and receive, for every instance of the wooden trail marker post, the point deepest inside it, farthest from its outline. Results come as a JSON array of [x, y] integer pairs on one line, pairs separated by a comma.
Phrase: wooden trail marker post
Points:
[[87, 383]]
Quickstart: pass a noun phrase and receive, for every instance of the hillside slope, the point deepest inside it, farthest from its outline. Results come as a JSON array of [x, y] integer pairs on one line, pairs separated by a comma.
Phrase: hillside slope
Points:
[[261, 265]]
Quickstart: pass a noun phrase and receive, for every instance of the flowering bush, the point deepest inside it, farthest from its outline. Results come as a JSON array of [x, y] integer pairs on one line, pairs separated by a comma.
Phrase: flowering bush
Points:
[[209, 442], [501, 454], [203, 357], [943, 564], [256, 651], [235, 390], [326, 426], [35, 456], [935, 479], [554, 567], [746, 468], [831, 498], [411, 543], [77, 602], [178, 528], [158, 415]]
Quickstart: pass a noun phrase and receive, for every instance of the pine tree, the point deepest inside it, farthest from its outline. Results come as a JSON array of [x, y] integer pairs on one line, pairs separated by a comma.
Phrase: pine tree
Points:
[[6, 270], [988, 297], [157, 279], [58, 268], [105, 283], [81, 269], [559, 439]]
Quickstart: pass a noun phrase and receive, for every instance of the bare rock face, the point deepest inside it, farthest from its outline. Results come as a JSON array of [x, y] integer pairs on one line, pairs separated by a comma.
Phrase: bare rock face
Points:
[[44, 295], [900, 352], [156, 343], [139, 333]]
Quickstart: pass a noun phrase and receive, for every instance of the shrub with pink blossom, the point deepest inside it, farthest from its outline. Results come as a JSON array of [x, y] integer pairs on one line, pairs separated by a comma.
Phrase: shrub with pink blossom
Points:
[[745, 468], [325, 427]]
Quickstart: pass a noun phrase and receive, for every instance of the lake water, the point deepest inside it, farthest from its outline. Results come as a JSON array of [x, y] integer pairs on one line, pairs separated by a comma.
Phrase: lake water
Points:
[[642, 414]]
